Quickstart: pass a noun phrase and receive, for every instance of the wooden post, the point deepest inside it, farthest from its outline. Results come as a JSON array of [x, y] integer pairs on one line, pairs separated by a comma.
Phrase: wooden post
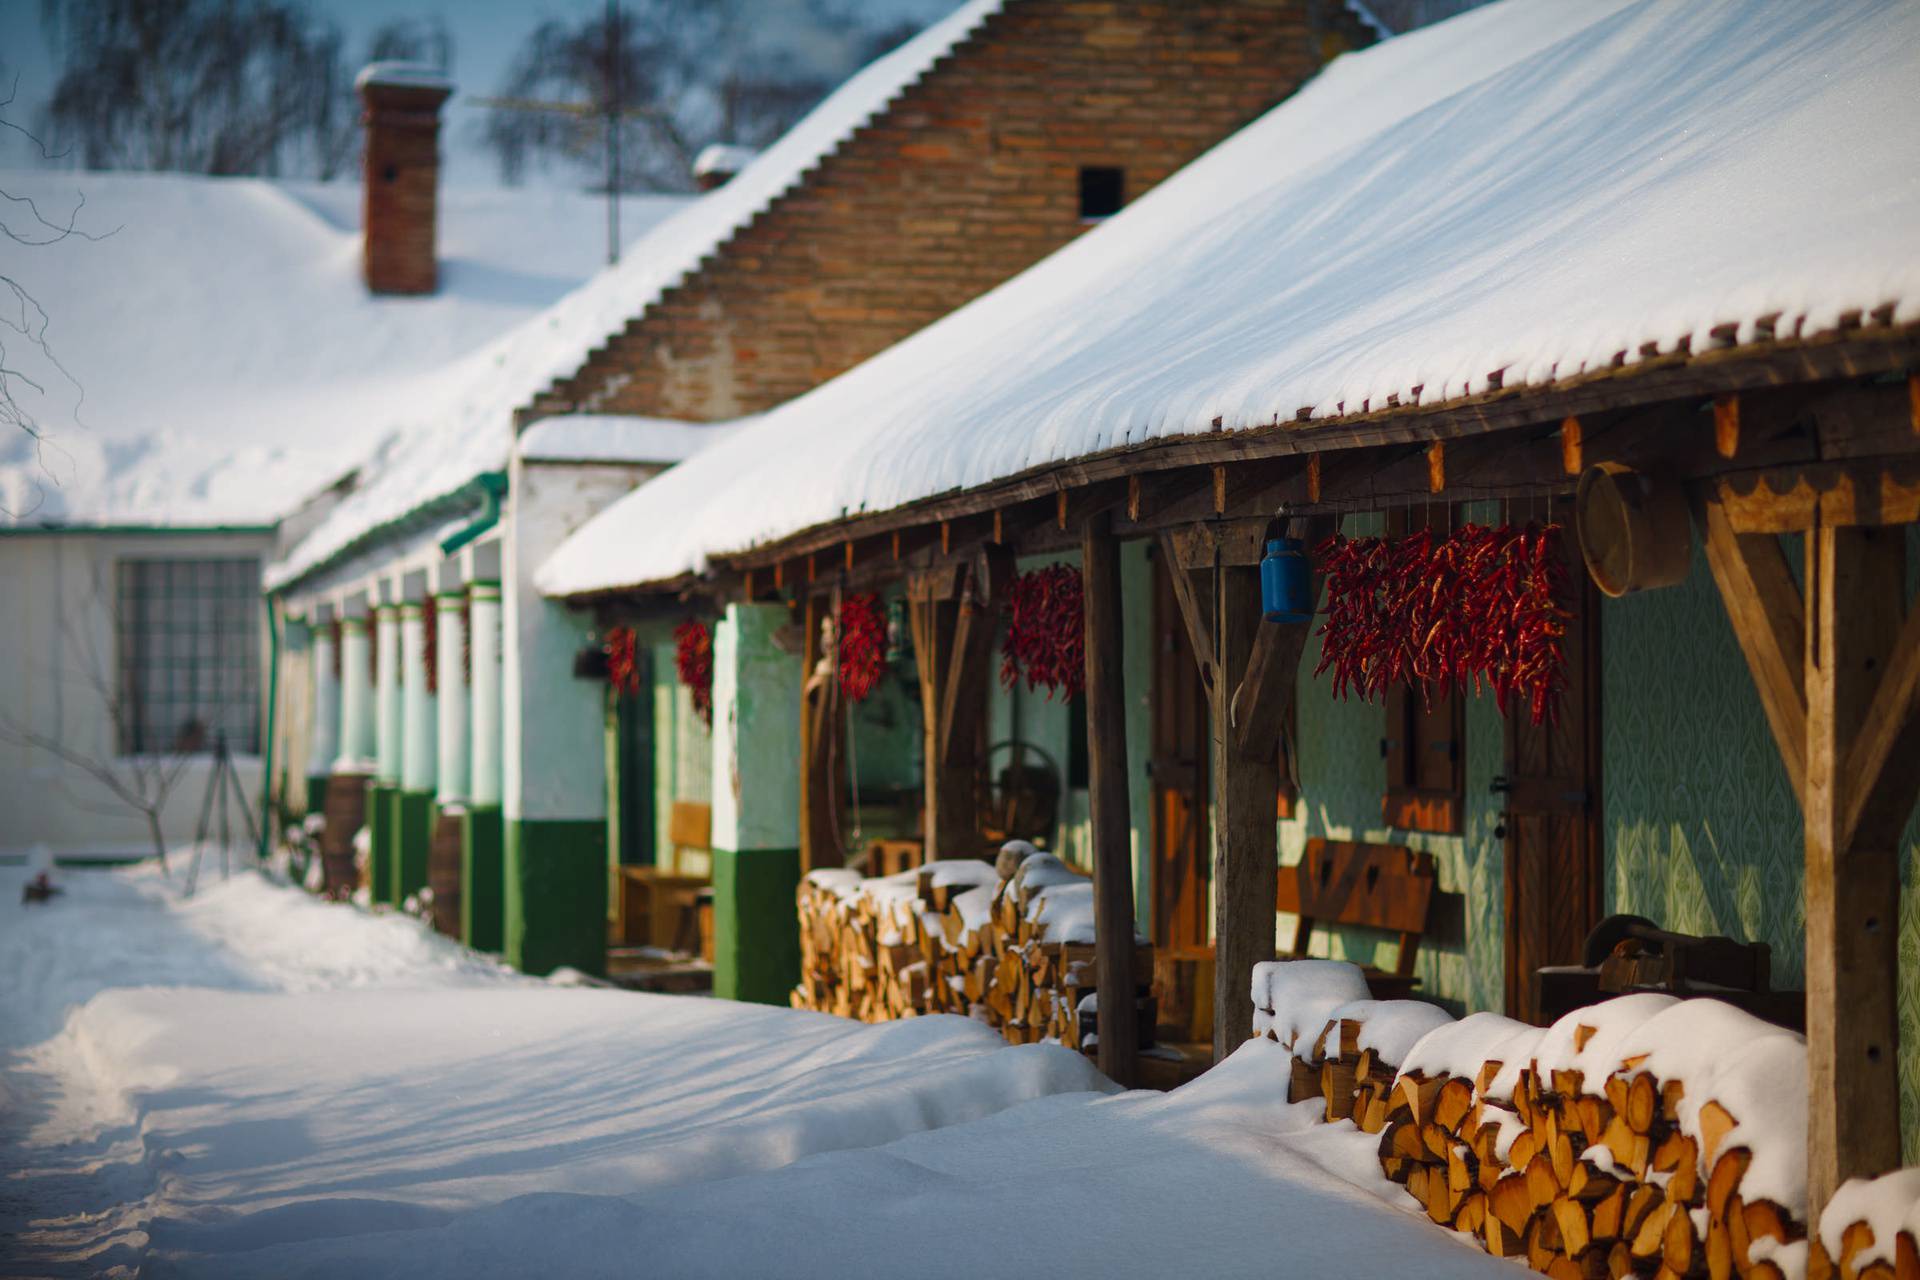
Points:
[[1107, 799], [1855, 591], [1246, 836], [823, 756], [954, 664]]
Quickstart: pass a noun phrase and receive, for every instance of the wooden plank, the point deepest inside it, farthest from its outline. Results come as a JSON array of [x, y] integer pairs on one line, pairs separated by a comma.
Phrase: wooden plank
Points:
[[1107, 801], [1204, 544], [1245, 789], [1763, 604], [822, 765], [947, 790], [1266, 692], [1856, 583], [1187, 596], [1726, 424]]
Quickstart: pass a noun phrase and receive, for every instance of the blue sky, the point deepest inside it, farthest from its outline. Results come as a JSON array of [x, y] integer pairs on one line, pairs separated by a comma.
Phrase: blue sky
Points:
[[485, 33]]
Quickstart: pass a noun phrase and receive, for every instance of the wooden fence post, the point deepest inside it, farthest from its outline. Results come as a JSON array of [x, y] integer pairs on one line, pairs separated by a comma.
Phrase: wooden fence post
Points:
[[1107, 799]]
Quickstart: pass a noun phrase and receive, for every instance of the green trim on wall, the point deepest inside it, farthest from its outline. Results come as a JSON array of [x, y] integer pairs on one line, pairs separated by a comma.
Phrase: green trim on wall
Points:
[[413, 840], [482, 882], [756, 948], [556, 894], [381, 813], [316, 799]]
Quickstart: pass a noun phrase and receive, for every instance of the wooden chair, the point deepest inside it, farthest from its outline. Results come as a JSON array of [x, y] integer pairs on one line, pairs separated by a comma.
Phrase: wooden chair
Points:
[[659, 905], [1376, 886]]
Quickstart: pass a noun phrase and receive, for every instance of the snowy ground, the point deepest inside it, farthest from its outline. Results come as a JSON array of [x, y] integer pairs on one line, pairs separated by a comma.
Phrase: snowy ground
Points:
[[256, 1083]]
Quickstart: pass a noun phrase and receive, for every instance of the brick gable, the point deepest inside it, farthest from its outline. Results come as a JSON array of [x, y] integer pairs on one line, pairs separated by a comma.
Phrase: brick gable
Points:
[[971, 175]]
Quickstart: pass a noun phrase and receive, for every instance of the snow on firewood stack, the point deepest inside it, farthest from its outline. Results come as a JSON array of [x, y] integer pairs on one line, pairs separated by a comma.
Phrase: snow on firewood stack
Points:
[[1009, 943], [1642, 1136], [1869, 1230], [1346, 1048]]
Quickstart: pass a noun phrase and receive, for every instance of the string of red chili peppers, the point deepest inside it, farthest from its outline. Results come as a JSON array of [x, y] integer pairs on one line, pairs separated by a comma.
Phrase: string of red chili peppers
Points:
[[693, 662], [1046, 638], [1481, 606], [863, 645], [623, 660]]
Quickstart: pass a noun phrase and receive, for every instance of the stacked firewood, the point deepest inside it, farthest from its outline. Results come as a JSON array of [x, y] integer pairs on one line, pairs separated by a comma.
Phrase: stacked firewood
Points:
[[1583, 1179], [1009, 945]]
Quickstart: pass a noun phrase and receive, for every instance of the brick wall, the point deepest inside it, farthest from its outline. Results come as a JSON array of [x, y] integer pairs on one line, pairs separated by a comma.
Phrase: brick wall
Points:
[[400, 185], [971, 176]]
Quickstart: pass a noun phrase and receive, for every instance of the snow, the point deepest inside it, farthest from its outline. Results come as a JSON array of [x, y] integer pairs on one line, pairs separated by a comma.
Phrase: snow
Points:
[[1292, 999], [612, 437], [417, 75], [190, 1082], [1388, 1027], [721, 157], [223, 359], [1532, 189], [462, 426], [1888, 1204]]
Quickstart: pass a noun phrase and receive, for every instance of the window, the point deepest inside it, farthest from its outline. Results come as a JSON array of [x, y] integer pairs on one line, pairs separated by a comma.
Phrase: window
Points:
[[189, 650], [1424, 744], [1102, 191]]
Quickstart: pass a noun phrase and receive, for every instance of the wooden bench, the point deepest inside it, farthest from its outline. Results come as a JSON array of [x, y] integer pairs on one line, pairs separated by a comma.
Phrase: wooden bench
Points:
[[659, 905], [1376, 886]]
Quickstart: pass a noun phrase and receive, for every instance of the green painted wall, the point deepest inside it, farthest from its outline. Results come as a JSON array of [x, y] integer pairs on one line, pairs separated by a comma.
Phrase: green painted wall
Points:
[[756, 930], [556, 894], [483, 879], [381, 839], [413, 838]]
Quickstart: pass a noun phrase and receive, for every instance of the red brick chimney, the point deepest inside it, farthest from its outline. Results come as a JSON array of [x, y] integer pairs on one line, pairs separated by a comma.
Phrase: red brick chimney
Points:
[[401, 182]]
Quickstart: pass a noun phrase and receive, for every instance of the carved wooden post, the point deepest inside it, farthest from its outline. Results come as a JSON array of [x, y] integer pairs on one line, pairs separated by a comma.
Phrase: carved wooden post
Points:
[[1107, 799]]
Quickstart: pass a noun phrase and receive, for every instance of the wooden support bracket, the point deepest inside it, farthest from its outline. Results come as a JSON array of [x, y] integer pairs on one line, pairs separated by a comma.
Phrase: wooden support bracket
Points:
[[1261, 699]]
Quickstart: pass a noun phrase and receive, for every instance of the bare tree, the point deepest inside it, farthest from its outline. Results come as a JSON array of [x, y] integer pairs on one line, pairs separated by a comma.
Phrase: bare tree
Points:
[[676, 75], [139, 780], [23, 321], [255, 87]]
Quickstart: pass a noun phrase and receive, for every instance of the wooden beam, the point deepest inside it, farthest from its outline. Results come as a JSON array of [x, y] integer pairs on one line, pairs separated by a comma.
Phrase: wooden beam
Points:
[[1211, 542], [1572, 462], [1246, 787], [1726, 424], [1789, 499], [1187, 595], [1886, 733], [1769, 622], [964, 699], [1107, 801], [1855, 587], [1271, 683], [1437, 466], [823, 778]]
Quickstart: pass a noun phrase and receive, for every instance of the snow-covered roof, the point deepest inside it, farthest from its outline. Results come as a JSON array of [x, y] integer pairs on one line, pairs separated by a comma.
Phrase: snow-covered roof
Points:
[[226, 359], [414, 75], [1532, 189], [615, 437], [451, 438], [722, 157]]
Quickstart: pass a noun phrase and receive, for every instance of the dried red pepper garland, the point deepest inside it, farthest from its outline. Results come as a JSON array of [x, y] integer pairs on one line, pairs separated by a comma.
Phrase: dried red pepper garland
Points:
[[1480, 606], [863, 645], [693, 660], [430, 633], [623, 660], [1046, 640]]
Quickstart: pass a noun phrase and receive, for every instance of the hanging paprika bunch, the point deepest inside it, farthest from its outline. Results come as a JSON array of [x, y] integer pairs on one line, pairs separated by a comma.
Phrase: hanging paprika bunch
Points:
[[1480, 606], [623, 660], [693, 661], [1046, 641], [430, 633], [863, 645]]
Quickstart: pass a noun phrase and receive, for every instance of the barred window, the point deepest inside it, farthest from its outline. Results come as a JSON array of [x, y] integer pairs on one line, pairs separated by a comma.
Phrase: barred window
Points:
[[189, 651]]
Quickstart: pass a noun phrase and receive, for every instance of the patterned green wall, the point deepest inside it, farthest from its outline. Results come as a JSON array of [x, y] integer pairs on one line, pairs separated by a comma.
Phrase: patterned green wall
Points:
[[1703, 833]]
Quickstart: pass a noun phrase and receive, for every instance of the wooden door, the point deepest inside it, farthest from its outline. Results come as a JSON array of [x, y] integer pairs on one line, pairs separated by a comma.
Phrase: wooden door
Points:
[[1552, 822], [1177, 778]]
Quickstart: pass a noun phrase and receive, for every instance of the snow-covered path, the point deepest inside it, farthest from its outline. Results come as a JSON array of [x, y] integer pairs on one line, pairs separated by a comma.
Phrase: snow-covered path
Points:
[[186, 1082], [255, 1083]]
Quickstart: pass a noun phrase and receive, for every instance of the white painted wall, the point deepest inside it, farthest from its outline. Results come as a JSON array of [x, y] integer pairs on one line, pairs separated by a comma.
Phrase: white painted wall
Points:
[[555, 766], [54, 626]]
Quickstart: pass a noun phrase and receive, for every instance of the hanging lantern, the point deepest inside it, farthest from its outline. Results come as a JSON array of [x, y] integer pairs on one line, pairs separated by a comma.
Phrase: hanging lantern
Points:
[[1286, 582]]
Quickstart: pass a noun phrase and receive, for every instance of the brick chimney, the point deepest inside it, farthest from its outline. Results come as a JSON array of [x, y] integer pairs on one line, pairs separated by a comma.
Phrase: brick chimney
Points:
[[401, 182], [718, 162]]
